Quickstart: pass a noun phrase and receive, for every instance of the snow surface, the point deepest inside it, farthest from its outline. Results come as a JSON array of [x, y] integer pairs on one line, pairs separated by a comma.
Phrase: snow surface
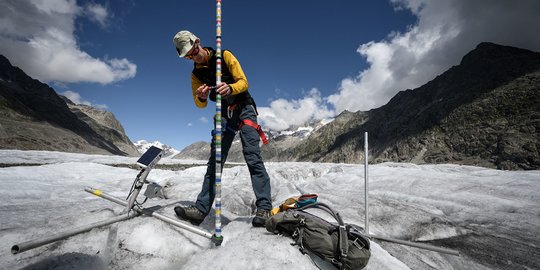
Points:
[[433, 203], [20, 157]]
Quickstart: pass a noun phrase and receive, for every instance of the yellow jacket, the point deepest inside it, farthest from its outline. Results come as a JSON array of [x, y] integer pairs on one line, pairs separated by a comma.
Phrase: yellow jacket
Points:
[[240, 84]]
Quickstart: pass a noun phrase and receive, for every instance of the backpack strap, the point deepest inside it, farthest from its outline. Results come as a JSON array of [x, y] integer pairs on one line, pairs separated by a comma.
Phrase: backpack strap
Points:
[[298, 234]]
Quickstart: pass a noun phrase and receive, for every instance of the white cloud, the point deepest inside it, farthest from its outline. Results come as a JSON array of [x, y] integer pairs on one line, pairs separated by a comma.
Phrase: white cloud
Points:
[[204, 120], [444, 32], [283, 114], [189, 124], [77, 99], [97, 13], [39, 37]]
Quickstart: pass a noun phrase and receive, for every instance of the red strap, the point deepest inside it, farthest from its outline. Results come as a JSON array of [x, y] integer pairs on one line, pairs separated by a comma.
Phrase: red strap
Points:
[[257, 127]]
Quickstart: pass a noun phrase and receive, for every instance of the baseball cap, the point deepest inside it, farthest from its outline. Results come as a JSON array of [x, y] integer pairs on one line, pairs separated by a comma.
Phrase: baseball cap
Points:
[[184, 41]]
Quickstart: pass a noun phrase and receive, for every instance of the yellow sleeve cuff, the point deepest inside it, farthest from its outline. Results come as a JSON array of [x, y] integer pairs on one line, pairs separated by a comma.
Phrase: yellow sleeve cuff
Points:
[[195, 84]]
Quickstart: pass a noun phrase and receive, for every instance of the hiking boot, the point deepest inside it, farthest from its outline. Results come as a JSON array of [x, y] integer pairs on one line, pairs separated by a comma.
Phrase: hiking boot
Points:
[[260, 218], [190, 213]]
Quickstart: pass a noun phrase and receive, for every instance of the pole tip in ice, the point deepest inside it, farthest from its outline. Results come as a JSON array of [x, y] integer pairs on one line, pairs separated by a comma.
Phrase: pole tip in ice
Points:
[[15, 249], [217, 240]]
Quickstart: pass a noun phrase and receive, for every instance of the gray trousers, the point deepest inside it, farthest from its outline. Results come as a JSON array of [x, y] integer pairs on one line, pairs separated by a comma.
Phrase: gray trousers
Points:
[[252, 155]]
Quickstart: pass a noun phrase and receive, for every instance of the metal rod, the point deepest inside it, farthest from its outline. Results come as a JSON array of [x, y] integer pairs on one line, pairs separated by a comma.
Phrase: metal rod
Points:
[[366, 186], [388, 239], [217, 138], [417, 245], [151, 213], [66, 234], [106, 196], [182, 225]]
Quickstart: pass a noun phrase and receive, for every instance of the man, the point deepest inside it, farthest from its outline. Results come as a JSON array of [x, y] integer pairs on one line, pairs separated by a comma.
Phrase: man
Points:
[[238, 114]]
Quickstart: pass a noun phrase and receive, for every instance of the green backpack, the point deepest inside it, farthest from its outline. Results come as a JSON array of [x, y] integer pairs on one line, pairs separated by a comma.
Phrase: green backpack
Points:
[[343, 245]]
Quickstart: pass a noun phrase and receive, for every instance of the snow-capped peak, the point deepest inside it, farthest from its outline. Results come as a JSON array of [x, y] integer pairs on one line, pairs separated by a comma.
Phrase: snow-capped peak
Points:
[[300, 131], [143, 145]]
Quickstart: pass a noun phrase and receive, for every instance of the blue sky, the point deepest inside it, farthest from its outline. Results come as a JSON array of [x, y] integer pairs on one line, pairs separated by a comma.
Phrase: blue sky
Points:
[[304, 60]]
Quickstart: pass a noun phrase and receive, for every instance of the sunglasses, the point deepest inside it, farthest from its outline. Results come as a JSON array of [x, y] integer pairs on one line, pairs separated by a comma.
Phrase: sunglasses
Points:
[[194, 51]]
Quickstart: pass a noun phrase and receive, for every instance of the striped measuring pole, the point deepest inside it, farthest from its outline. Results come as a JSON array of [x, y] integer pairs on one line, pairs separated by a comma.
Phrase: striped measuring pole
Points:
[[218, 238]]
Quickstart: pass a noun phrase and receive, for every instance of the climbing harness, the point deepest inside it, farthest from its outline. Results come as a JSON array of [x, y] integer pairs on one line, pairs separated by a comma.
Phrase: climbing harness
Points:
[[256, 126]]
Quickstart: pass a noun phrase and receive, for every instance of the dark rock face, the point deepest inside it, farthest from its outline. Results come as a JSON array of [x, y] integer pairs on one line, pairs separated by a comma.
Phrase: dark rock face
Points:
[[196, 151], [485, 112], [105, 124], [501, 127], [34, 117]]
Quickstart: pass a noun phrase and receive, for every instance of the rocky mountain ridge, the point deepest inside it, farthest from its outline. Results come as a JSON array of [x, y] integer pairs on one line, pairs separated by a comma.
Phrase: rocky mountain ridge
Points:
[[484, 112], [34, 117], [278, 142], [105, 124], [198, 151]]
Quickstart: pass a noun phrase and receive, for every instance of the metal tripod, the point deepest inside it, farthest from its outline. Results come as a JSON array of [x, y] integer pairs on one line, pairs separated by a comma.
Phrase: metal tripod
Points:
[[132, 209]]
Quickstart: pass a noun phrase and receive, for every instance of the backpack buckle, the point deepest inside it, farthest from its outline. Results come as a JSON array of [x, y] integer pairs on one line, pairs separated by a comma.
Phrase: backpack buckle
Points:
[[358, 244]]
